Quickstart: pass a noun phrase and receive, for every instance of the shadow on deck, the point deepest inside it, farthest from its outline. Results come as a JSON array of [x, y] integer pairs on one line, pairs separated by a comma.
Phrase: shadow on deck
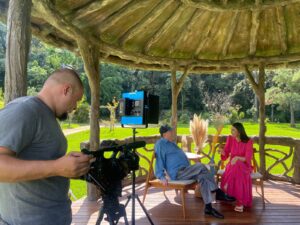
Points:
[[282, 207]]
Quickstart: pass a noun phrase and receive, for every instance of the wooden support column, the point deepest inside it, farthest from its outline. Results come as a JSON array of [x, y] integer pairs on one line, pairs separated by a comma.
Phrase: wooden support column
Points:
[[89, 50], [90, 56], [259, 89], [176, 88], [17, 48], [296, 162]]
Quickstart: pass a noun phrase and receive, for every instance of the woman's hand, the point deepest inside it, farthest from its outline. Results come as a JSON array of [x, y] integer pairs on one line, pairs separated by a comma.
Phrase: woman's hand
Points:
[[221, 150], [234, 160], [237, 158]]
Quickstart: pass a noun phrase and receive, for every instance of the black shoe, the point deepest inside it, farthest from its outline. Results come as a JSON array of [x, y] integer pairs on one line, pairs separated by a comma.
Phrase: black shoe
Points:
[[213, 212], [225, 198]]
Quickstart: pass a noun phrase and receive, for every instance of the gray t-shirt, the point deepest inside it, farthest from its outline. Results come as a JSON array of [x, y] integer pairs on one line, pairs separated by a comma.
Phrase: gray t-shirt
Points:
[[29, 128]]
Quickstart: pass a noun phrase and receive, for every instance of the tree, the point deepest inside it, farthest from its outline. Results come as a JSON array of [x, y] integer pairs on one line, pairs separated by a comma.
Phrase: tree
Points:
[[285, 92], [2, 53]]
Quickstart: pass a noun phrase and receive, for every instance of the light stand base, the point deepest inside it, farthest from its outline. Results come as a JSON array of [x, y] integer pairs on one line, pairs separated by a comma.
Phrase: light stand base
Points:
[[130, 197]]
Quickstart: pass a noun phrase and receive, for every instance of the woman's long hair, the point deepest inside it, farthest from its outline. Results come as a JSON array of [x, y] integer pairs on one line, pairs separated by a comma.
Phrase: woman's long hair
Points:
[[240, 128]]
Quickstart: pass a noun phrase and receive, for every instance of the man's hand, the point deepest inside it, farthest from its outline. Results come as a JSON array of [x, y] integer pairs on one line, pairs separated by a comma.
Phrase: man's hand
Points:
[[164, 182], [75, 164]]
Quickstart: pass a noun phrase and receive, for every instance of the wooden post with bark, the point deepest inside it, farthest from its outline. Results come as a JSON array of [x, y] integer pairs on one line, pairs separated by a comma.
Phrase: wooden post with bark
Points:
[[296, 163], [17, 48], [90, 56], [89, 51], [176, 88], [259, 89]]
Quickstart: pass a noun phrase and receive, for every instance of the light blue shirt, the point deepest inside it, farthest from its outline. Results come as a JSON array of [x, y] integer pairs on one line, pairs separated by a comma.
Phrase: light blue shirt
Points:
[[169, 158]]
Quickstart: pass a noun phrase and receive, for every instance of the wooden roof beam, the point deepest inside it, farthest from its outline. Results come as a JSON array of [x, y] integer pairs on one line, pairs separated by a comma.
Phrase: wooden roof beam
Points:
[[206, 35], [281, 23], [125, 10], [225, 5], [254, 31], [151, 16], [168, 23], [52, 40], [86, 9], [184, 31], [59, 22], [232, 27]]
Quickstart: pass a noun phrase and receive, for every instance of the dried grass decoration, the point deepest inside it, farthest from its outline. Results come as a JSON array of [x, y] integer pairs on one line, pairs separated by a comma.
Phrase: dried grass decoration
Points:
[[199, 130]]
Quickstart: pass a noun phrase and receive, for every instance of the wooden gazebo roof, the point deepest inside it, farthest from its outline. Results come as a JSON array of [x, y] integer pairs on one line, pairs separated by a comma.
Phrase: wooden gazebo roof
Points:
[[206, 35]]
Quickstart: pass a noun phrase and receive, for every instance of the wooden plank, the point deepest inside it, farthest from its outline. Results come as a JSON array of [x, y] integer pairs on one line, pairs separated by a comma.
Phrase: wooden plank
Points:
[[282, 207]]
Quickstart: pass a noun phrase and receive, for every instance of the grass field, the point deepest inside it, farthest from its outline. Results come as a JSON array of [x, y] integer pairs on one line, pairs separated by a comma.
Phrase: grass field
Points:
[[79, 187]]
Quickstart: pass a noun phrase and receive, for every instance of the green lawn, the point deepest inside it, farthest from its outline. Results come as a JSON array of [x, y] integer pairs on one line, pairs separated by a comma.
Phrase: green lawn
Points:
[[1, 104], [79, 187], [66, 125]]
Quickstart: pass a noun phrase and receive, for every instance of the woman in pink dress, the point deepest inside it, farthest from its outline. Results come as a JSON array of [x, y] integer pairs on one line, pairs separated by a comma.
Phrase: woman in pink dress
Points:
[[236, 180]]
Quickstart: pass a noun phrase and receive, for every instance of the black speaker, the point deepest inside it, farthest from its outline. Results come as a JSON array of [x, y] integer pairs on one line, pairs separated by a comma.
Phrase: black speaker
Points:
[[153, 109]]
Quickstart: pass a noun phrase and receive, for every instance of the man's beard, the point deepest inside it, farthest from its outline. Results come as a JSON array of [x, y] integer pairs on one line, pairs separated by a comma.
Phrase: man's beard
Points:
[[63, 116]]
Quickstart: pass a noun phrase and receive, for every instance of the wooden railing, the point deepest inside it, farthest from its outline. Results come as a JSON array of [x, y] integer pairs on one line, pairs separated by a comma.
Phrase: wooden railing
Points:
[[282, 155]]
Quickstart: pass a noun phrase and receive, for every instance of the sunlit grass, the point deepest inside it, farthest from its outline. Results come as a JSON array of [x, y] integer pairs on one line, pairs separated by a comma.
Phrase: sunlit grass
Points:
[[273, 129]]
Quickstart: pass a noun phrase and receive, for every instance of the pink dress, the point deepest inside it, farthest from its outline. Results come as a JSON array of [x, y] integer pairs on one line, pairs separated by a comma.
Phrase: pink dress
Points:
[[237, 177]]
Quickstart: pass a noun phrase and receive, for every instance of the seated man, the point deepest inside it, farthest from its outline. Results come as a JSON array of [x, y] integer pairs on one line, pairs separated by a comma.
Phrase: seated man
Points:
[[171, 159]]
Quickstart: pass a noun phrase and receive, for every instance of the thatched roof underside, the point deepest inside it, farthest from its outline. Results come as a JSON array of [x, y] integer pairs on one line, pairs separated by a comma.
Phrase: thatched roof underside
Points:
[[206, 36]]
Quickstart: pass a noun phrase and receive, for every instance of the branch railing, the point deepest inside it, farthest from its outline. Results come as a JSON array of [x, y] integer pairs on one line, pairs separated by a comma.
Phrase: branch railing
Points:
[[282, 155]]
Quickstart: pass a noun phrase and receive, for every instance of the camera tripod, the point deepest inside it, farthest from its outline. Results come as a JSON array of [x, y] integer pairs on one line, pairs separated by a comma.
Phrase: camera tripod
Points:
[[134, 196], [113, 209]]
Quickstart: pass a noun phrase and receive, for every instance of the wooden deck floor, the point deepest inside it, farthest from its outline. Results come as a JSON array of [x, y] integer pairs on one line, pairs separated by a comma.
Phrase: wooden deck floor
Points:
[[282, 207]]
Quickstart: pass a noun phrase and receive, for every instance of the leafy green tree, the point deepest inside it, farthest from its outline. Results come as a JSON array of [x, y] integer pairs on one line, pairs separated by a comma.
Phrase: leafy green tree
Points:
[[285, 92], [2, 53]]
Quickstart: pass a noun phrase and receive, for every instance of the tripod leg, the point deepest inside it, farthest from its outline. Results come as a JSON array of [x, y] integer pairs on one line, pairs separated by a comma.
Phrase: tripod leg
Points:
[[128, 199], [144, 209], [111, 221], [125, 217], [100, 217]]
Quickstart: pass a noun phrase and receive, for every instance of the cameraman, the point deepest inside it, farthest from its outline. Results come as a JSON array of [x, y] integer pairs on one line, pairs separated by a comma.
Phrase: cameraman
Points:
[[34, 170]]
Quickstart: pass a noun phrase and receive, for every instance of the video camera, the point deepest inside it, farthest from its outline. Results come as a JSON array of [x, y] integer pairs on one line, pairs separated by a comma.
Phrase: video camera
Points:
[[107, 173]]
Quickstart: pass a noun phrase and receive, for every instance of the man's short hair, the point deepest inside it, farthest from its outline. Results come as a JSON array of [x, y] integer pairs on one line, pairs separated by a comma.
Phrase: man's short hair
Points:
[[58, 76], [164, 128]]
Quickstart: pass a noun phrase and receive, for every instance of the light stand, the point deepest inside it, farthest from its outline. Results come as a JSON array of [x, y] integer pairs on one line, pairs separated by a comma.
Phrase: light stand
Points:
[[134, 196]]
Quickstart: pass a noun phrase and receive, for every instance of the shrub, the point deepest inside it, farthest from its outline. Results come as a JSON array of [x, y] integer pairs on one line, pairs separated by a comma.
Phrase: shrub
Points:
[[81, 115], [184, 118], [235, 115]]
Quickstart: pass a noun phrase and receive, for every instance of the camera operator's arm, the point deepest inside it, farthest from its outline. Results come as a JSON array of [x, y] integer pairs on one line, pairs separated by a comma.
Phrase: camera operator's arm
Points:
[[13, 169]]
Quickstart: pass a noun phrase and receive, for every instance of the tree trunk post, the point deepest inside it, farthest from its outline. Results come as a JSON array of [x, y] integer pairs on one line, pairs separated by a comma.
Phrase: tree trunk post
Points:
[[90, 58], [18, 43], [259, 89], [176, 88], [292, 121], [174, 103], [272, 112], [296, 162]]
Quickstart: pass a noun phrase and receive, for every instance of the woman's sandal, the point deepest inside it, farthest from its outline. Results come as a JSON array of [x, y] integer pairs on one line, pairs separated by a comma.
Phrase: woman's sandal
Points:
[[239, 208]]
